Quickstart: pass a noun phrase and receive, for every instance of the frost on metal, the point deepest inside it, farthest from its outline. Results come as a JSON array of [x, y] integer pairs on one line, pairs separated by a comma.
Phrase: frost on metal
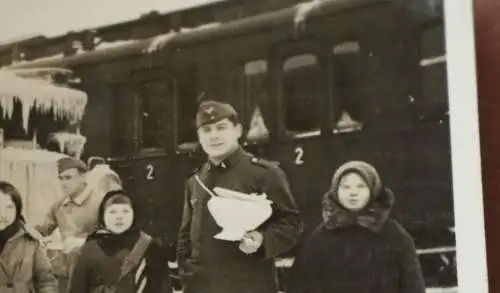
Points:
[[160, 41], [346, 48], [107, 45], [303, 10], [69, 143], [432, 60], [40, 95], [201, 27], [347, 124], [258, 130]]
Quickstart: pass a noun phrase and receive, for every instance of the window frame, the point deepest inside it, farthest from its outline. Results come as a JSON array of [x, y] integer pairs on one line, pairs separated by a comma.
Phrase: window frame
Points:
[[281, 53]]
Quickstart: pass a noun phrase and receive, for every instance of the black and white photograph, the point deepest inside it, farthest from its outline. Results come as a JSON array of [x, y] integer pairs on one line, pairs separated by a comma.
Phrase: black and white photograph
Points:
[[250, 146]]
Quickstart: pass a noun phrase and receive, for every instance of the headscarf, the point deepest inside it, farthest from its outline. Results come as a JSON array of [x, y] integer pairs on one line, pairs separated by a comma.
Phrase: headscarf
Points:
[[373, 215], [9, 231], [113, 243]]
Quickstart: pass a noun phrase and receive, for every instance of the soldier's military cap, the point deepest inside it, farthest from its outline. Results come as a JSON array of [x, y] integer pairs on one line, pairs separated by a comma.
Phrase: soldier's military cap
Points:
[[213, 111]]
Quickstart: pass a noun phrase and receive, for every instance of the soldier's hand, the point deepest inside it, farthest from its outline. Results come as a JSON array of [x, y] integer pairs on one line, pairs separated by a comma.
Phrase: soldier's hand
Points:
[[251, 242]]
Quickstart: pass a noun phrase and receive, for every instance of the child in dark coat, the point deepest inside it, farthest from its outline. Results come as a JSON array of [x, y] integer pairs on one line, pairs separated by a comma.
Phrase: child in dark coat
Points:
[[119, 257], [357, 248]]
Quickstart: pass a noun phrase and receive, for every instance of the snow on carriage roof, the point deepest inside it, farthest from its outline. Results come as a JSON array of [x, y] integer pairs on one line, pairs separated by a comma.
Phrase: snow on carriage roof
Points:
[[13, 154], [41, 94]]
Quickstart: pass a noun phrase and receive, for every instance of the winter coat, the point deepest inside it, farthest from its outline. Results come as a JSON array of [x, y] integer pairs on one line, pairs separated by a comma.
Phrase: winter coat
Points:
[[358, 252], [24, 266], [95, 268], [209, 265]]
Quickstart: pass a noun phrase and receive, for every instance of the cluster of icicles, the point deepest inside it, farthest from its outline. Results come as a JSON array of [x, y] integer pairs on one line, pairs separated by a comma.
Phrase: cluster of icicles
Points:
[[40, 95]]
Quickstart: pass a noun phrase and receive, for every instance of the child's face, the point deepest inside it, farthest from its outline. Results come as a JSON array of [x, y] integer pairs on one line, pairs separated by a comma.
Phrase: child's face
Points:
[[118, 217], [7, 211], [353, 192]]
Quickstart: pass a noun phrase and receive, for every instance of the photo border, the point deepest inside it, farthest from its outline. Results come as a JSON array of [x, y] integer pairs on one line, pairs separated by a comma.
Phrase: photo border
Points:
[[466, 160]]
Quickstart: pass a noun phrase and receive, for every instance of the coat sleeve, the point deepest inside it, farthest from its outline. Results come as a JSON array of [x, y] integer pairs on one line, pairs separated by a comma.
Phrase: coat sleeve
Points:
[[158, 270], [283, 229], [50, 223], [298, 281], [79, 278], [184, 238], [44, 280], [411, 280]]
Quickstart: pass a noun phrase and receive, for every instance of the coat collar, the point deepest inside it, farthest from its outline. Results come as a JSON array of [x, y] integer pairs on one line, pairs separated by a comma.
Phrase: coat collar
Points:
[[80, 198], [371, 217], [231, 160]]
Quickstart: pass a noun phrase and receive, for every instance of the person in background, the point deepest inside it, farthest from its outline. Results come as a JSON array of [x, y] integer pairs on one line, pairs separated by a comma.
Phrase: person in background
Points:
[[119, 257], [209, 265], [75, 215], [357, 248], [25, 266]]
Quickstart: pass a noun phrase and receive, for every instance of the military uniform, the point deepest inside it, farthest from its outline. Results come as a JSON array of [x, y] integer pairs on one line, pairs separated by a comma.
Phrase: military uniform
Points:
[[209, 265]]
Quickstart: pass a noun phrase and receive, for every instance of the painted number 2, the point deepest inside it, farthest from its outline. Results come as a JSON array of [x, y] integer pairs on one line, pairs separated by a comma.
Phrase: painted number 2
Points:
[[299, 151], [150, 171]]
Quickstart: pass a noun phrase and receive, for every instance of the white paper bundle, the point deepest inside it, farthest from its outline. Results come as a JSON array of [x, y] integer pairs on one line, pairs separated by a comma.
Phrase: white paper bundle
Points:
[[237, 213]]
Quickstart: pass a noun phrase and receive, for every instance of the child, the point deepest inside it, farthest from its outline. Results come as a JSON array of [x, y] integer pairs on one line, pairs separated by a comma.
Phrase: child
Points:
[[25, 266], [357, 248], [118, 257]]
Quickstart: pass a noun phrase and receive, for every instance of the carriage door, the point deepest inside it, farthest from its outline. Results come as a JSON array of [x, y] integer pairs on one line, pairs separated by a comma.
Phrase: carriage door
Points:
[[151, 162]]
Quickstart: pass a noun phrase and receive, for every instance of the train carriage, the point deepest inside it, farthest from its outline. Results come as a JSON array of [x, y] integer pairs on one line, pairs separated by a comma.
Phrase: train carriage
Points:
[[316, 84]]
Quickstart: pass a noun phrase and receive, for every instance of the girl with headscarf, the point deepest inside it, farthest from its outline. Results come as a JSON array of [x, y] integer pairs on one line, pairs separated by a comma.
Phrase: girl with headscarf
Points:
[[24, 266], [118, 256], [358, 248]]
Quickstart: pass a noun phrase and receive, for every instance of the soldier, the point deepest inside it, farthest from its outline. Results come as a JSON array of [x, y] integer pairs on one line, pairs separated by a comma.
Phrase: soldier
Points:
[[75, 215], [209, 265]]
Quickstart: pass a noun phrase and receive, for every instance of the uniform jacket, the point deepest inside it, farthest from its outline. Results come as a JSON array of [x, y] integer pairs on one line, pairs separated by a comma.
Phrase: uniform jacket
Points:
[[24, 266], [209, 265], [358, 252]]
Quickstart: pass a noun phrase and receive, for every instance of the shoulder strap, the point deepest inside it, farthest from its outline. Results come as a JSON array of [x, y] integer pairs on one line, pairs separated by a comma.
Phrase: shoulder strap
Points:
[[135, 255]]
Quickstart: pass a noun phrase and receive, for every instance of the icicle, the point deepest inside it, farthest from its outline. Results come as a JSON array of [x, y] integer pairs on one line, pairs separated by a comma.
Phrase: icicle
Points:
[[27, 103], [258, 130], [303, 11], [70, 143], [7, 104]]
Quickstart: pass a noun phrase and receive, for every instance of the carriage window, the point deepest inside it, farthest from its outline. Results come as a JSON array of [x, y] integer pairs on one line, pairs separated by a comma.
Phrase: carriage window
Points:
[[187, 97], [300, 95], [153, 114], [347, 67], [433, 103], [255, 95]]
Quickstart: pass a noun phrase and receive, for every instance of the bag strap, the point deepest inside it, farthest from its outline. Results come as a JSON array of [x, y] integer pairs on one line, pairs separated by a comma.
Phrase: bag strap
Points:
[[135, 255], [208, 190]]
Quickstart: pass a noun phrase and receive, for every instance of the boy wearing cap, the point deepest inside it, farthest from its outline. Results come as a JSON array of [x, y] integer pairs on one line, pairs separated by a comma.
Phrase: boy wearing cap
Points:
[[209, 265], [75, 214]]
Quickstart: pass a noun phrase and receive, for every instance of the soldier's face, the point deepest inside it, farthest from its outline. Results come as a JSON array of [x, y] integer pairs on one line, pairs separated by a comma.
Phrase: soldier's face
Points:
[[220, 138], [72, 181]]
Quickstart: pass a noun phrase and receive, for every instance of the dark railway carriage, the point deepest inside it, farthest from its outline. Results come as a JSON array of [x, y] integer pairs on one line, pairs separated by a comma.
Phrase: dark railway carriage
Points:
[[327, 81]]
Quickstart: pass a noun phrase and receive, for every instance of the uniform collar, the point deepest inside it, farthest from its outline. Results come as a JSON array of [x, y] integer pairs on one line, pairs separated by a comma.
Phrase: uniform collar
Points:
[[230, 160], [80, 198]]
